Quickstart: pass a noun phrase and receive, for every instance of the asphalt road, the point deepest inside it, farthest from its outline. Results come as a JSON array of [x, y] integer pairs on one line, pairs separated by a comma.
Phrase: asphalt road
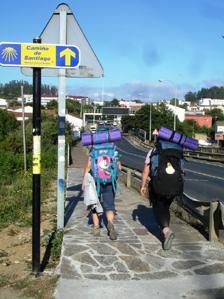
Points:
[[203, 180]]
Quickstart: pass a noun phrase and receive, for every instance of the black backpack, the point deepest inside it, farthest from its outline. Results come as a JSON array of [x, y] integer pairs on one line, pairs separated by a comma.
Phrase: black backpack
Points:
[[166, 170]]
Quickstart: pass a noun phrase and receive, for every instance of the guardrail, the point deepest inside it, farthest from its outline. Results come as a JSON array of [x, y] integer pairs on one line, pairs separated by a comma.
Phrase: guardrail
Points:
[[209, 214]]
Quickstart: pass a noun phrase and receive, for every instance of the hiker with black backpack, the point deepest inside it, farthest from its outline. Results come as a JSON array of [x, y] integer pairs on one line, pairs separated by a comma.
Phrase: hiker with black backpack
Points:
[[163, 166], [103, 164]]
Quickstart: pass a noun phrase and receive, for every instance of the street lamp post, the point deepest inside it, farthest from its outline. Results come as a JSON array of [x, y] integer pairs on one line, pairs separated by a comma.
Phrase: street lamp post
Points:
[[175, 102], [175, 116], [150, 122]]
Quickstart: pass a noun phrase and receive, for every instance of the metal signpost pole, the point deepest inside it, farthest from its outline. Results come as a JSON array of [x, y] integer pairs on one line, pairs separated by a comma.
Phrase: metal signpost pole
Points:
[[61, 130], [36, 166], [23, 124]]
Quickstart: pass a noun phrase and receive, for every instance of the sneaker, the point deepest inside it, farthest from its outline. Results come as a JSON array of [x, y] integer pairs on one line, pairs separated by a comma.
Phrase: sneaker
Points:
[[96, 230], [111, 231], [168, 239]]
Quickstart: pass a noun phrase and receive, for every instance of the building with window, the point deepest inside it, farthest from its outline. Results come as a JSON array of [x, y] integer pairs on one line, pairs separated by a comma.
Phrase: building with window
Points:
[[202, 120], [209, 104]]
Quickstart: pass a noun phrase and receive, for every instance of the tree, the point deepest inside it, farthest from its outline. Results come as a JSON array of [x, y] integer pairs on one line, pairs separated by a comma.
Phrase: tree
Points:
[[8, 123], [216, 114], [160, 116], [128, 123], [52, 105], [73, 107], [137, 101], [12, 89], [173, 101], [191, 97], [114, 103]]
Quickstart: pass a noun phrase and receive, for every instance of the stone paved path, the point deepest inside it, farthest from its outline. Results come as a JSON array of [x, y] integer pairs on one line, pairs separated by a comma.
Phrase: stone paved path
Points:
[[135, 265]]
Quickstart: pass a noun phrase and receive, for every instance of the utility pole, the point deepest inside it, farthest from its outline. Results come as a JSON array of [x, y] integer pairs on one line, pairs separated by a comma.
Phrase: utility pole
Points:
[[23, 126]]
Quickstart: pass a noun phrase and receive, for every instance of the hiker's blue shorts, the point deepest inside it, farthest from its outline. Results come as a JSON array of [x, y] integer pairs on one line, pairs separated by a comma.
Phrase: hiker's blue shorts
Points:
[[107, 197]]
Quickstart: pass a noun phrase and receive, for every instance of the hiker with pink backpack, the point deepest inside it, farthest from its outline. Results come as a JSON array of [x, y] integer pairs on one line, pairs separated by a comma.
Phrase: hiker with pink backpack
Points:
[[103, 164]]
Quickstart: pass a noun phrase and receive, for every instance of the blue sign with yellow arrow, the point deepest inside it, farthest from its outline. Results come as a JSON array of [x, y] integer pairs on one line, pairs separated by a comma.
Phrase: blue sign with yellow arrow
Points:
[[39, 55]]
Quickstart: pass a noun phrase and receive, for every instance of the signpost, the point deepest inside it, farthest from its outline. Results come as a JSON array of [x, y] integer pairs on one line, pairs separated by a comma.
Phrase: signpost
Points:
[[52, 58], [63, 28], [39, 55]]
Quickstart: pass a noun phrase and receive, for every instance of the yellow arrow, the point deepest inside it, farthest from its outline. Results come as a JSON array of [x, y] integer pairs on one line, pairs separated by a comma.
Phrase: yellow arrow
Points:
[[68, 53]]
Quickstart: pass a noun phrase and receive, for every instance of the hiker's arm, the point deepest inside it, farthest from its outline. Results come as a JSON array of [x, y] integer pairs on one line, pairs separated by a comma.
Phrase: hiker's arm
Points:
[[145, 175], [119, 165], [86, 169]]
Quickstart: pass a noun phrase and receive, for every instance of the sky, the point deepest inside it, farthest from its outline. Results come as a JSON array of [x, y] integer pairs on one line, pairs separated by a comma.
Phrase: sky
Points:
[[149, 49]]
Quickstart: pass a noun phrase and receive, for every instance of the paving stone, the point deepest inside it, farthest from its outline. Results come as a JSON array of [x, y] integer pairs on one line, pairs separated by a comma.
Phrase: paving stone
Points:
[[184, 265], [141, 231], [105, 260], [120, 276], [156, 275], [136, 245], [188, 247], [124, 248], [135, 264], [211, 269], [213, 254], [169, 253], [96, 276], [103, 249], [154, 261], [73, 249], [120, 267], [85, 258], [86, 269], [187, 273], [105, 269], [151, 247]]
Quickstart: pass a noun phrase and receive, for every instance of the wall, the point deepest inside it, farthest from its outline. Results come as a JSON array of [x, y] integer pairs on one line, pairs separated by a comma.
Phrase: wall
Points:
[[202, 120]]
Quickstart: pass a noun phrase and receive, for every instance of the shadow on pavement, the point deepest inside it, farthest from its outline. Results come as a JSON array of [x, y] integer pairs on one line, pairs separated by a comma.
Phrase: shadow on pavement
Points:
[[72, 201], [145, 216]]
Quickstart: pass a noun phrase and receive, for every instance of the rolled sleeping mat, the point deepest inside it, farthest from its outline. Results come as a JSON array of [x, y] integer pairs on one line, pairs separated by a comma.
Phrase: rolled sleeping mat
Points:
[[172, 136], [190, 143], [99, 137]]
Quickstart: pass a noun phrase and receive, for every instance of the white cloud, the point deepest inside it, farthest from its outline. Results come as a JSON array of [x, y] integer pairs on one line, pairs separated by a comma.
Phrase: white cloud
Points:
[[145, 91]]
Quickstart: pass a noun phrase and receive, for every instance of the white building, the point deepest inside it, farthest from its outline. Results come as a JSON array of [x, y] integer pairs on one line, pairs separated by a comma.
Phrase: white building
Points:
[[28, 98], [208, 103], [179, 112], [3, 104], [75, 122], [98, 103], [133, 106], [28, 111]]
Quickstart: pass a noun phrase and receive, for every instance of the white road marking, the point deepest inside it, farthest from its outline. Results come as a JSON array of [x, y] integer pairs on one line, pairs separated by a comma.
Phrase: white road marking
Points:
[[205, 174]]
